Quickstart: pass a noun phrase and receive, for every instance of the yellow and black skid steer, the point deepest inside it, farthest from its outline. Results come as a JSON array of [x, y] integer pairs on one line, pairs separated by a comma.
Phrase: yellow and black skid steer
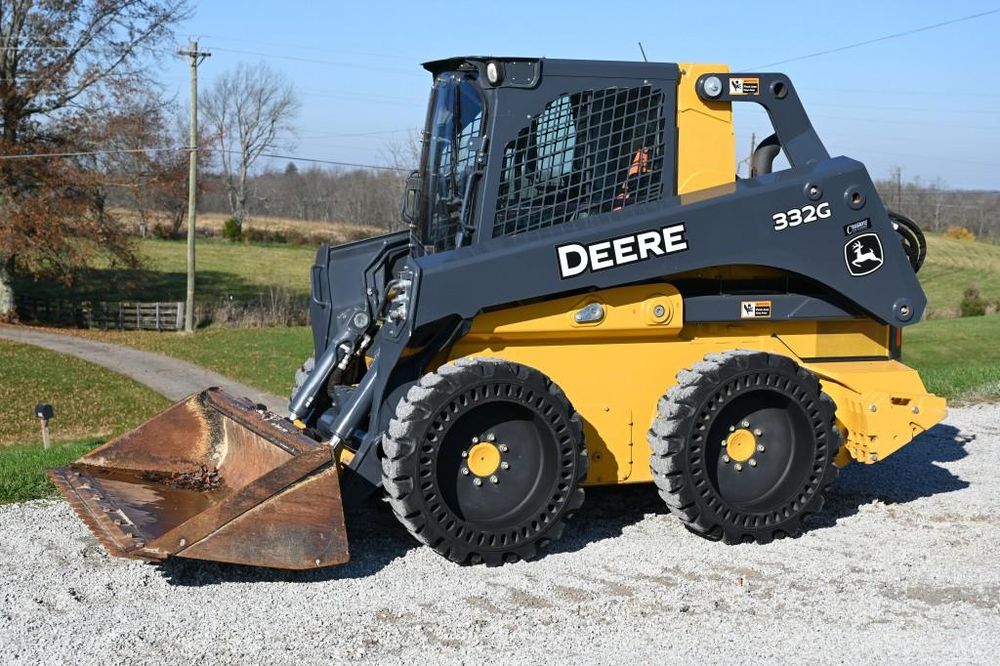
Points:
[[585, 295]]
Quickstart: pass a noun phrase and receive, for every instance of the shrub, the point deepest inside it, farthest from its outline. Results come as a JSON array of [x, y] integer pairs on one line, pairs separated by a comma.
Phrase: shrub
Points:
[[959, 232], [254, 235], [973, 304], [231, 230], [165, 232]]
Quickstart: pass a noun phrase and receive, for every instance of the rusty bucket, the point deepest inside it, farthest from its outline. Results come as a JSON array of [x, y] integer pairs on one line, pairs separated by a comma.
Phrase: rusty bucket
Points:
[[212, 478]]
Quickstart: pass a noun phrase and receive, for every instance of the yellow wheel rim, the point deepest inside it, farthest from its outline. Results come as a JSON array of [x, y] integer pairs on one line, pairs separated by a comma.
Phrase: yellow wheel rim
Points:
[[740, 444], [484, 459]]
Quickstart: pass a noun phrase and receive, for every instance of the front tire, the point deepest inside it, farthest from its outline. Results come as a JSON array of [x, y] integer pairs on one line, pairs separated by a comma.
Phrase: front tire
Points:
[[743, 447], [483, 461]]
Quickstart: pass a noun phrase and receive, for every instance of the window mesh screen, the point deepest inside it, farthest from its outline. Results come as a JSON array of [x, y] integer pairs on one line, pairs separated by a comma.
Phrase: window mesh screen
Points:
[[591, 152]]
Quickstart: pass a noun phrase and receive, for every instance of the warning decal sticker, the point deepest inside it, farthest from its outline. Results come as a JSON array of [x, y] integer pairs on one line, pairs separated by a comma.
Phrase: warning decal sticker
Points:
[[755, 310], [744, 86]]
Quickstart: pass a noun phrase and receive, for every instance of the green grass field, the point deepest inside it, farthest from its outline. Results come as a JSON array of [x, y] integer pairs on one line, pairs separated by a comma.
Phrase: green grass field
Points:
[[89, 401], [265, 358], [22, 468], [224, 269], [957, 358], [952, 266]]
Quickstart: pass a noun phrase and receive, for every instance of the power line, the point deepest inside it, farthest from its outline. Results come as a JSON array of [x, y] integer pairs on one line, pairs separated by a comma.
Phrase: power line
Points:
[[87, 153], [303, 47], [110, 151], [335, 63], [880, 39], [333, 162]]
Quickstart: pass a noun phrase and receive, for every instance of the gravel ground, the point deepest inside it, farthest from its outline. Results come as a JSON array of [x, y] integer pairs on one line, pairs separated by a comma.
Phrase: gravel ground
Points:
[[902, 567]]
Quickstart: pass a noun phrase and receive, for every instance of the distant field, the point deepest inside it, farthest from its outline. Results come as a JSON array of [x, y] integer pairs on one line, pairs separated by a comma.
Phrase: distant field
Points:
[[336, 232], [224, 269], [952, 266]]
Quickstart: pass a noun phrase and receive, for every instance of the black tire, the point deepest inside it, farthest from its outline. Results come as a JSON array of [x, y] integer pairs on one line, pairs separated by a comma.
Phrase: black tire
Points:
[[475, 517], [784, 421]]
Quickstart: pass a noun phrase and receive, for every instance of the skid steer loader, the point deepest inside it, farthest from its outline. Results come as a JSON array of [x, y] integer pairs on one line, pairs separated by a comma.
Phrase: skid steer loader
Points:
[[586, 295]]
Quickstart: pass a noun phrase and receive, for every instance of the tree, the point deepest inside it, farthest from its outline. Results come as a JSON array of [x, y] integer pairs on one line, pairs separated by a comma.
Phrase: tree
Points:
[[248, 111], [56, 61]]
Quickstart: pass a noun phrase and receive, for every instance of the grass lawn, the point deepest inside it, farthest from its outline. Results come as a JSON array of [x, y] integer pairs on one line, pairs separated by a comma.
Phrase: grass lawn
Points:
[[89, 401], [952, 266], [957, 358], [265, 358], [91, 405], [22, 468]]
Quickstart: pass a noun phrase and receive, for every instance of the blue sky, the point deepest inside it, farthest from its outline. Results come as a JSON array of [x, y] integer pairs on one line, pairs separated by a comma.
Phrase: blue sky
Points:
[[927, 102]]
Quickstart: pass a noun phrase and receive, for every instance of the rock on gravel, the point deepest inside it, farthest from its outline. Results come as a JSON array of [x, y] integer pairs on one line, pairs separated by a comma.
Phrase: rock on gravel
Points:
[[901, 567]]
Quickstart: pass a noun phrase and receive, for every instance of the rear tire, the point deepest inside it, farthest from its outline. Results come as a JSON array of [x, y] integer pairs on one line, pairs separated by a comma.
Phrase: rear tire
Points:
[[483, 460], [743, 447]]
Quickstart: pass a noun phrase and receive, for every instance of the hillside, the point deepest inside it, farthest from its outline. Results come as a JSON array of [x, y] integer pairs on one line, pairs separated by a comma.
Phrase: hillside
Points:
[[954, 265]]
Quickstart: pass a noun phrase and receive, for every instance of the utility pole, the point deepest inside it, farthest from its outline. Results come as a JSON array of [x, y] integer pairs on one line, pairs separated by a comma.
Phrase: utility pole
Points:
[[196, 57]]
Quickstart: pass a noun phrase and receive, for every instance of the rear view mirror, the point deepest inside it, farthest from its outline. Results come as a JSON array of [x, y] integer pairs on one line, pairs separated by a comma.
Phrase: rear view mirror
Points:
[[411, 196]]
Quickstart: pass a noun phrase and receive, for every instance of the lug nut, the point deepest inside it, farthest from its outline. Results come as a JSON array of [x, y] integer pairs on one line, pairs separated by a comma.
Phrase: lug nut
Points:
[[465, 454], [760, 447], [753, 463], [746, 424], [503, 448], [465, 471], [477, 481], [475, 440], [732, 428], [491, 437], [725, 459], [757, 432], [738, 467], [505, 465], [494, 479]]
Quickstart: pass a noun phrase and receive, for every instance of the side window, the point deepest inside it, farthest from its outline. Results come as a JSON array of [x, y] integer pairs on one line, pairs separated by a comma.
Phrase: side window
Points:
[[555, 136], [587, 153]]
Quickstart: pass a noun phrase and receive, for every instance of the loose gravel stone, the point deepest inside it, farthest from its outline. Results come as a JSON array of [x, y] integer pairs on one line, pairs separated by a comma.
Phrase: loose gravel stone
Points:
[[900, 567]]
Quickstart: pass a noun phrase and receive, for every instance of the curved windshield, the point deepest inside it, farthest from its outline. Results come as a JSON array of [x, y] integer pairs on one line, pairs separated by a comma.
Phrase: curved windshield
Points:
[[456, 120]]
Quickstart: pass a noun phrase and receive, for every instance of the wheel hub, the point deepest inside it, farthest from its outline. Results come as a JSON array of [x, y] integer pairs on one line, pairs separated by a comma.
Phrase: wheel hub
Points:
[[484, 459], [741, 445]]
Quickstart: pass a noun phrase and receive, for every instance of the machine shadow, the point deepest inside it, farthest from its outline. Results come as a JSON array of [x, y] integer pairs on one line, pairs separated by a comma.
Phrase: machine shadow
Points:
[[606, 512], [909, 474], [375, 539]]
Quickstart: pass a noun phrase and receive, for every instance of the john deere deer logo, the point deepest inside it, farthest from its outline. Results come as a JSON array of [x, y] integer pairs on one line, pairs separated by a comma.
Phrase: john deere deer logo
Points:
[[863, 254]]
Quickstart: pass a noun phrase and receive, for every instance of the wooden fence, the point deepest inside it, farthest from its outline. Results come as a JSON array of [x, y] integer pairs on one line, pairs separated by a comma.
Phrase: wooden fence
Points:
[[168, 316]]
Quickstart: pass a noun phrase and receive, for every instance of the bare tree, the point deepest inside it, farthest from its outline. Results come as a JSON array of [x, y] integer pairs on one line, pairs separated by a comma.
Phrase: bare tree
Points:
[[54, 58], [248, 111]]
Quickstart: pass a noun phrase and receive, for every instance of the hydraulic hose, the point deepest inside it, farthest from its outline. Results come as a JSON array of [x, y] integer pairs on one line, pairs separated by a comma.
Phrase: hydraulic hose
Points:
[[912, 238]]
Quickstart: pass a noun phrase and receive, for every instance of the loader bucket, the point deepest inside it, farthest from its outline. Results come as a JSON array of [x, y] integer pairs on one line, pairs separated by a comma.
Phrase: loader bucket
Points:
[[212, 478]]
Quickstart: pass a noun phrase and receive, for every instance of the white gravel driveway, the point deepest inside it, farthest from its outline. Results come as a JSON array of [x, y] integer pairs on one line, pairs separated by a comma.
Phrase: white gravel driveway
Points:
[[903, 567]]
